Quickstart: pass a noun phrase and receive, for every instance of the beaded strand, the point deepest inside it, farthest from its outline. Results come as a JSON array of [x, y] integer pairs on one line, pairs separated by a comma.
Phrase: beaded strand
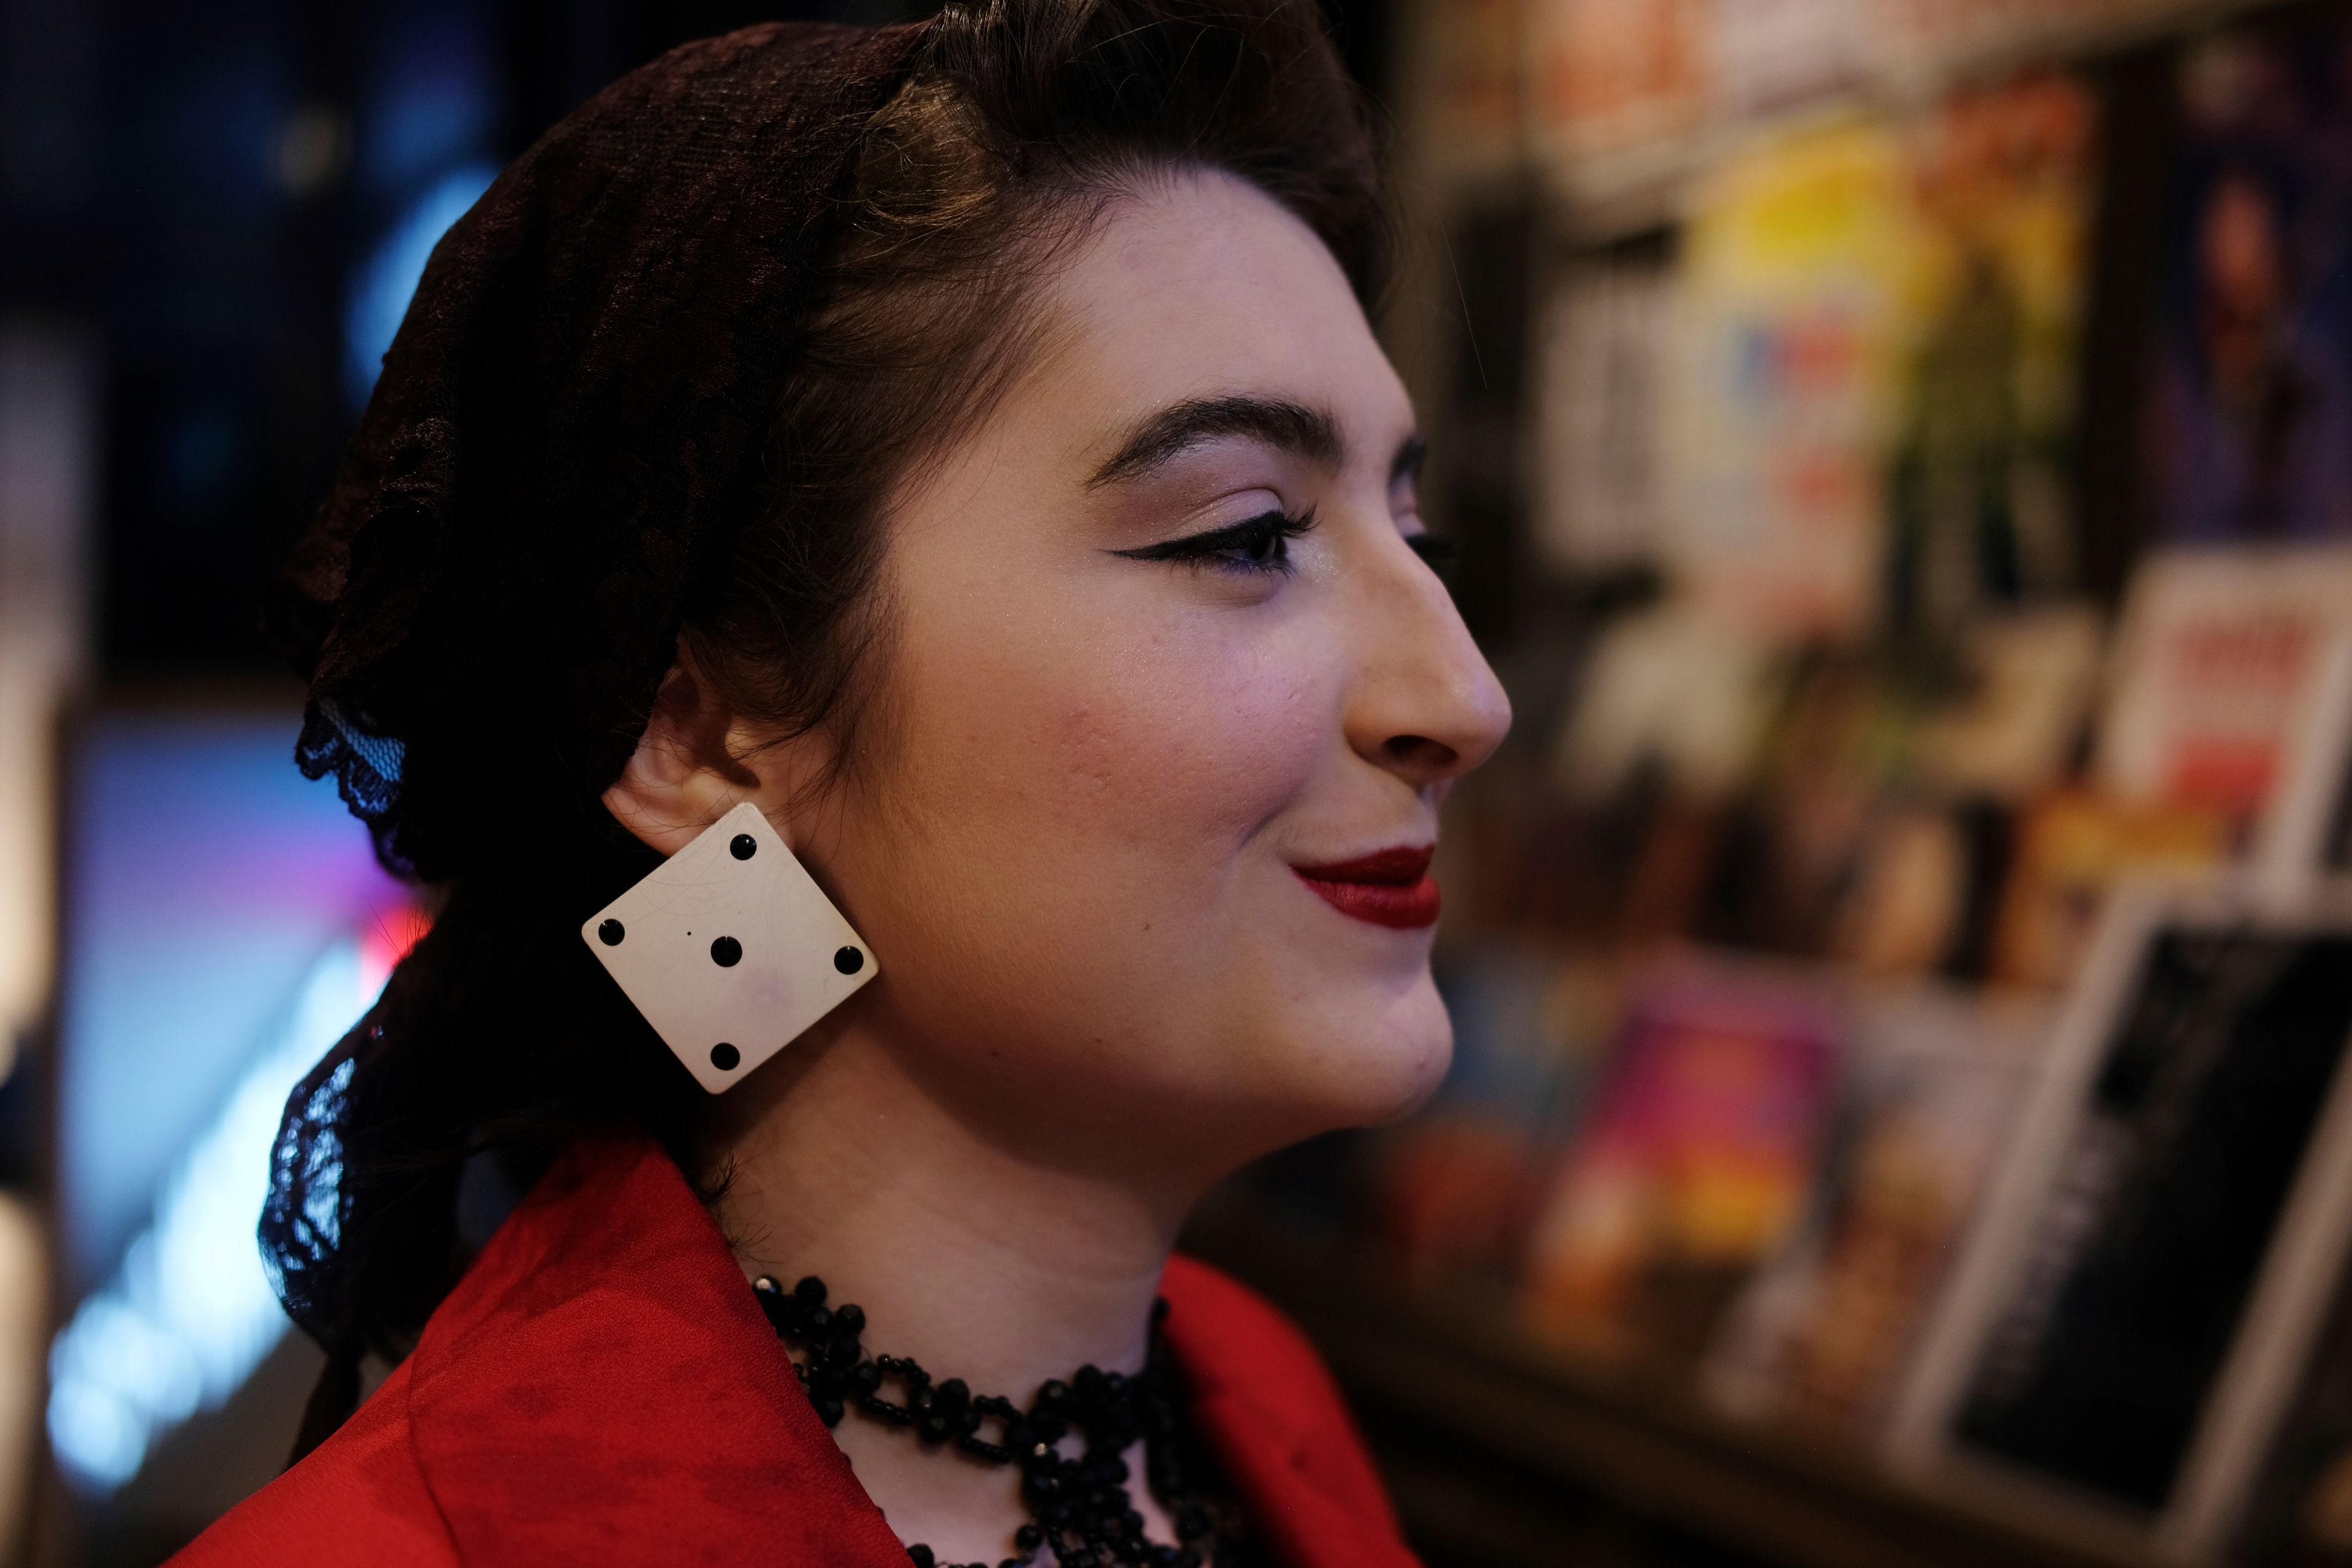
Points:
[[1079, 1507]]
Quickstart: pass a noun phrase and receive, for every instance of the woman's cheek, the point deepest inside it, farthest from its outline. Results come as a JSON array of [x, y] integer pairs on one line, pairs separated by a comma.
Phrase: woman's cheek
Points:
[[1192, 750]]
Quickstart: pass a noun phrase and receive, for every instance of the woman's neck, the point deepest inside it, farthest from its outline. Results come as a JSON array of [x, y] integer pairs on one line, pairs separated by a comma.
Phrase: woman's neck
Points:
[[969, 1252]]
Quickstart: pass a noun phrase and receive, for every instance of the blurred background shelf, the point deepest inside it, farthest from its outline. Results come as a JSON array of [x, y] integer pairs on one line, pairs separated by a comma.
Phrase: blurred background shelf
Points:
[[1502, 1451]]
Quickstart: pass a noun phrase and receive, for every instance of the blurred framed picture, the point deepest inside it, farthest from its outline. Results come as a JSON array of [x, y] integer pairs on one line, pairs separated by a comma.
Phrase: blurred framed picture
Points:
[[2231, 671], [2307, 841], [1692, 1160], [1927, 1094], [2148, 1279], [2248, 433]]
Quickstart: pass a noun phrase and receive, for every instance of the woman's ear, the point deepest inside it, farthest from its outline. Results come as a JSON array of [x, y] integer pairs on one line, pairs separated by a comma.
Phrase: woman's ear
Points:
[[683, 777]]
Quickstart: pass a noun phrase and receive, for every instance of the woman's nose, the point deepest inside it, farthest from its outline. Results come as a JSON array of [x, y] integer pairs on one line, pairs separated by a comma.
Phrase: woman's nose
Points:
[[1426, 705]]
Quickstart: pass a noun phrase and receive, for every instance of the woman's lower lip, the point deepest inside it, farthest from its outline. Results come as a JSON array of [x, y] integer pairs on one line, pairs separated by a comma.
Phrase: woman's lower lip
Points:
[[1407, 907]]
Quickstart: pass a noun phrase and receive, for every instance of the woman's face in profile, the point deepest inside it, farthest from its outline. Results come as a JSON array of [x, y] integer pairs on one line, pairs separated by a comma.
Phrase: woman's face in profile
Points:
[[1162, 649]]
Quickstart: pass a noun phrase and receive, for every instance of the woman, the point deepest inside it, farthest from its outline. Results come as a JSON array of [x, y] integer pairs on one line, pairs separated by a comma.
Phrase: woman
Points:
[[964, 443]]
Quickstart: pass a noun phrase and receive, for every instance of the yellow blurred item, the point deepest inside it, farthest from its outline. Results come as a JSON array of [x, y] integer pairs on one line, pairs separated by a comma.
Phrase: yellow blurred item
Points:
[[2073, 850]]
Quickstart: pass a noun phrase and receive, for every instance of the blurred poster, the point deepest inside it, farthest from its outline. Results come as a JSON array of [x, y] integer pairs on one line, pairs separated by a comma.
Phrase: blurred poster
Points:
[[1872, 387], [1692, 1165], [2250, 421], [2073, 849], [1466, 84], [1600, 408], [1978, 508], [1609, 78], [2029, 678], [1793, 262], [1932, 1082], [1904, 910], [1668, 693], [1451, 1189], [1931, 38], [1796, 874], [2133, 1316], [2223, 677], [1769, 55]]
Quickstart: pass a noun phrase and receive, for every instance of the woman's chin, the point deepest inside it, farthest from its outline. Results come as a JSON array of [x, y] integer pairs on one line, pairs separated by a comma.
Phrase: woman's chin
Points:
[[1386, 1068], [1412, 1079]]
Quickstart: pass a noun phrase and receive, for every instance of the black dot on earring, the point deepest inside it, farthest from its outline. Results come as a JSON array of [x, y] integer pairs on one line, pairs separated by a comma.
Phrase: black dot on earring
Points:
[[724, 1057], [726, 953], [849, 960], [610, 933], [742, 847]]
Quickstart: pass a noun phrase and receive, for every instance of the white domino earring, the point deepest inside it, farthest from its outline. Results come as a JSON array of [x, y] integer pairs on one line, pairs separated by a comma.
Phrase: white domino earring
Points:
[[729, 949]]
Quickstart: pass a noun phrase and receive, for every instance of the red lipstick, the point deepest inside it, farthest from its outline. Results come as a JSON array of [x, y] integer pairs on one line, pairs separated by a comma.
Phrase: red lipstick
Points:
[[1392, 887]]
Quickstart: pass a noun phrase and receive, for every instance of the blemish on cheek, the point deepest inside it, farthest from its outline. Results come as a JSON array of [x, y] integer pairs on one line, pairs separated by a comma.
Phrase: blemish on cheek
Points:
[[1087, 750]]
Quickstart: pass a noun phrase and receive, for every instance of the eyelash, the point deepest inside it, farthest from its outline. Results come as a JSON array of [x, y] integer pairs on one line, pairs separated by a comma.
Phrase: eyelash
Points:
[[1270, 532], [1252, 546]]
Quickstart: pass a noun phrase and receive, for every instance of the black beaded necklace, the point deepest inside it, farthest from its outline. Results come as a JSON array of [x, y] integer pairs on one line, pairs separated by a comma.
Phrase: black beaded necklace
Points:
[[1079, 1507]]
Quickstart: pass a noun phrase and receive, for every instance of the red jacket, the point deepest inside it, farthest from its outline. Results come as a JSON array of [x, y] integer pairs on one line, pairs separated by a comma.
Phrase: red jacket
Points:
[[602, 1388]]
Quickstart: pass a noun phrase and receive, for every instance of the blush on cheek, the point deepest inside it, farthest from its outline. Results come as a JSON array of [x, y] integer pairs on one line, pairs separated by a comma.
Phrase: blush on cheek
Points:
[[1176, 759]]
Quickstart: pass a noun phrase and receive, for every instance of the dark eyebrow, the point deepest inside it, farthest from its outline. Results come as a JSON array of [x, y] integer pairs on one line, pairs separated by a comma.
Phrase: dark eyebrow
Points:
[[1290, 426]]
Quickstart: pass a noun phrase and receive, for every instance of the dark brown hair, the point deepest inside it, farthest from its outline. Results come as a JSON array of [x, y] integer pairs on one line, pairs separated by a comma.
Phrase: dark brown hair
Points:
[[498, 1040], [1021, 124]]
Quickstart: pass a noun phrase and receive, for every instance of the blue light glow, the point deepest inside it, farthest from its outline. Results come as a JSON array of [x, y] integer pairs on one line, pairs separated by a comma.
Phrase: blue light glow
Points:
[[431, 100], [388, 281], [191, 1311]]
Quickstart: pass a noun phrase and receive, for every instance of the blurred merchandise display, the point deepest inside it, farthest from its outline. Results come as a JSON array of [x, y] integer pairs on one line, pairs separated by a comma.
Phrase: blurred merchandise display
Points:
[[2072, 850], [1978, 496], [1782, 380], [1464, 108], [1824, 1330], [2223, 667], [1671, 690], [2139, 1309], [1899, 965], [1691, 1164], [1629, 98], [2250, 405], [1844, 392], [1611, 80], [1599, 389]]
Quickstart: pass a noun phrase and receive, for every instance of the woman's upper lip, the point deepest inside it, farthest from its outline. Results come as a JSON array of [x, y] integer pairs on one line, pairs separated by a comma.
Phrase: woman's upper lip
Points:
[[1400, 868]]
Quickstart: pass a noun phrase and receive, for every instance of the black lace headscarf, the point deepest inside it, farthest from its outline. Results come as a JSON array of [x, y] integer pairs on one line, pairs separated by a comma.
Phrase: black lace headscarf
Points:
[[653, 386]]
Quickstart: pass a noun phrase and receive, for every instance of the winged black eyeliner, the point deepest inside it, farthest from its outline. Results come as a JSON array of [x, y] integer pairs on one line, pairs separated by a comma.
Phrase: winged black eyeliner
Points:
[[1274, 525]]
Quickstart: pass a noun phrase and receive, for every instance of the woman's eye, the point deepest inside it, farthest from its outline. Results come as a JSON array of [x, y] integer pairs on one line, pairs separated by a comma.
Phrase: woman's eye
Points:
[[1256, 544], [1264, 545]]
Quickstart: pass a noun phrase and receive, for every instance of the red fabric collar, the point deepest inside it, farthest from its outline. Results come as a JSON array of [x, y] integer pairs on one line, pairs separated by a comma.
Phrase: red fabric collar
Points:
[[608, 1310]]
